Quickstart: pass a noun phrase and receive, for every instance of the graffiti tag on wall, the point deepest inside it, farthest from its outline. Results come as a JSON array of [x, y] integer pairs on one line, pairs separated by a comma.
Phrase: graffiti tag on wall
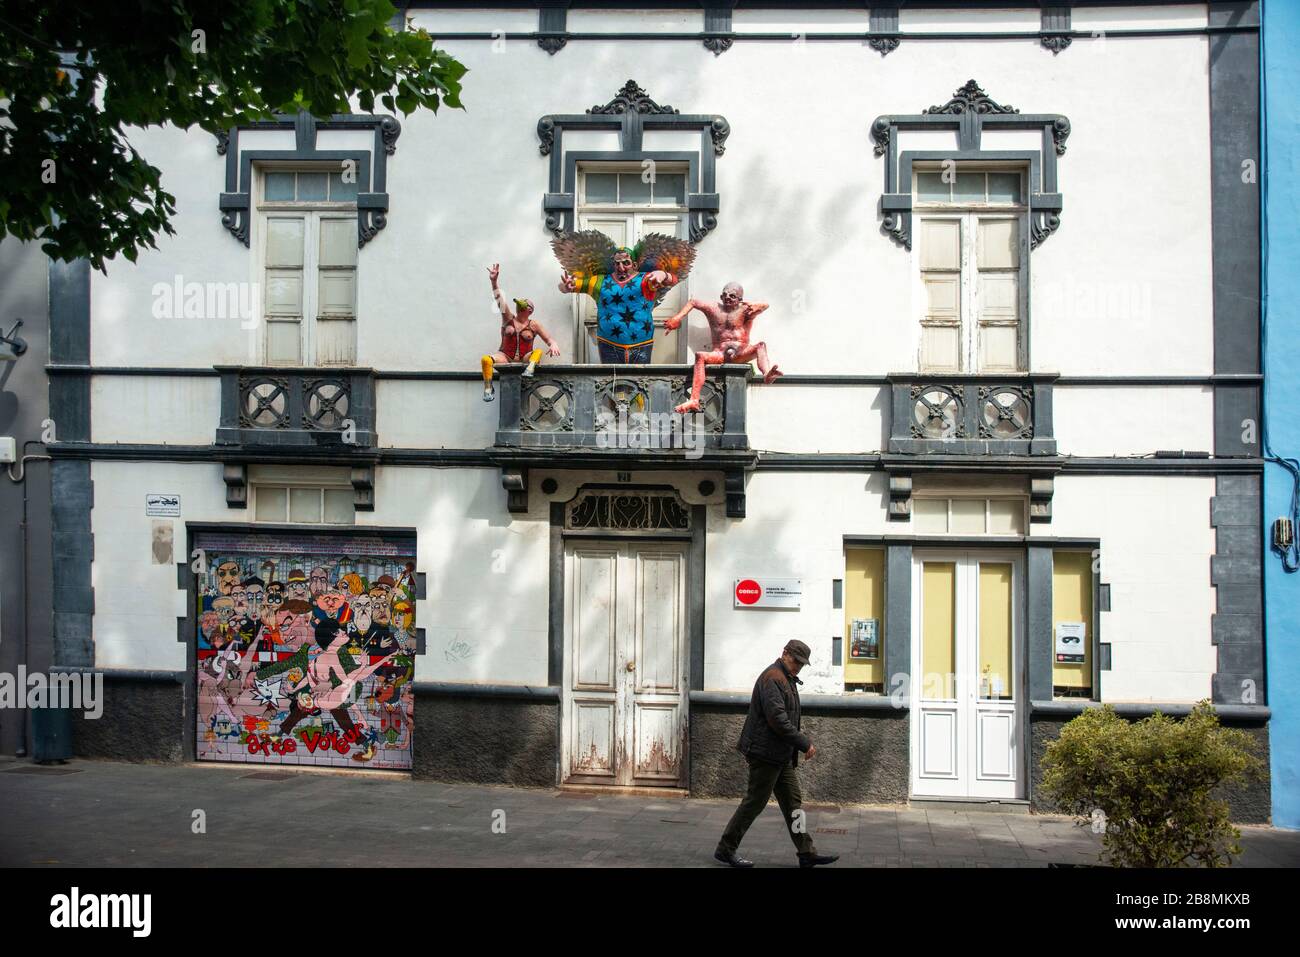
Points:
[[305, 655]]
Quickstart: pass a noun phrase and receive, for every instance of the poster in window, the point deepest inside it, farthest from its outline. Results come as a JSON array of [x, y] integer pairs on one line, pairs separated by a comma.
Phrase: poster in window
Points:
[[864, 641], [1070, 638]]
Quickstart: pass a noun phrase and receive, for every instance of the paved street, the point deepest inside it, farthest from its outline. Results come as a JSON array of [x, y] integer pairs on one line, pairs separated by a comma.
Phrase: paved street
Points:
[[91, 813]]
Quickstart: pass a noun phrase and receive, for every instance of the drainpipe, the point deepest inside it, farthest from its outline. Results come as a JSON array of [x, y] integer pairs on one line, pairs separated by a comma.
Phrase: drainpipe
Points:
[[21, 750]]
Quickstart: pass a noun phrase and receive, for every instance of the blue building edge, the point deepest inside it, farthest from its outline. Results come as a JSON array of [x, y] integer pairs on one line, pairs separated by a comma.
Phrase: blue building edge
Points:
[[1280, 302]]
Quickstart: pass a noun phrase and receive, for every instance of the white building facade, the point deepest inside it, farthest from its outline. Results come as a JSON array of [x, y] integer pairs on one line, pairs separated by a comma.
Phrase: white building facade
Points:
[[1010, 470]]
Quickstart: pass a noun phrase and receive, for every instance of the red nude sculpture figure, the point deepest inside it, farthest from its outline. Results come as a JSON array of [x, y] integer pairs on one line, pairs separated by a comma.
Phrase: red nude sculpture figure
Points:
[[730, 322]]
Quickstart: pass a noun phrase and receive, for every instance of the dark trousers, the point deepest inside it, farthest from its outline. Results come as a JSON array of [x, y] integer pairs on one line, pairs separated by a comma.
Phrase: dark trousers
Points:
[[624, 355], [764, 778]]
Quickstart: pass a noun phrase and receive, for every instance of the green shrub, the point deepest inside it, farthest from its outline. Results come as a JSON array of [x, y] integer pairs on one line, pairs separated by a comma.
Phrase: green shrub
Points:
[[1150, 782]]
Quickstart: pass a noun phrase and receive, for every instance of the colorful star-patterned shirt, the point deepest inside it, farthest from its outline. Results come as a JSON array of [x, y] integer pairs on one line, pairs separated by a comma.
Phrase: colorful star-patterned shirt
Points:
[[624, 314]]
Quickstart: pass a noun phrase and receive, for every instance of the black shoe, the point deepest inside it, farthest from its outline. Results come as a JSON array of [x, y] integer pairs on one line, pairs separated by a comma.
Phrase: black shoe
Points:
[[812, 860], [732, 858]]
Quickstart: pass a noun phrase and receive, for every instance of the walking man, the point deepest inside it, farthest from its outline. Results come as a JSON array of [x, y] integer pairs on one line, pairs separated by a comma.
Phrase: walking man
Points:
[[771, 742]]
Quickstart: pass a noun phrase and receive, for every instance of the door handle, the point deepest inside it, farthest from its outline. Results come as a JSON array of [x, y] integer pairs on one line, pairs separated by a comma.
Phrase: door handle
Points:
[[631, 666]]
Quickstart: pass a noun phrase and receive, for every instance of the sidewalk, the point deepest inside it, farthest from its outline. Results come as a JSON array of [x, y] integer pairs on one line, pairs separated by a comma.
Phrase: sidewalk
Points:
[[91, 813]]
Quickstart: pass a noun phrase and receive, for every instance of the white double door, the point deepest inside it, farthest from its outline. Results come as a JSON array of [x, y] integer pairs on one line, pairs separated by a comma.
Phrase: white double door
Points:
[[625, 664], [967, 688]]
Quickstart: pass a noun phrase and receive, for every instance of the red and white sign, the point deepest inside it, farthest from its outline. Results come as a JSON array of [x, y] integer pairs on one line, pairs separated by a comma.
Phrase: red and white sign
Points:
[[768, 592]]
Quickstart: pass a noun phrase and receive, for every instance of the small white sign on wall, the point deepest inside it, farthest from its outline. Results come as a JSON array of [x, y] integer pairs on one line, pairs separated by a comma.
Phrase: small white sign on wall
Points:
[[1069, 641], [768, 592], [162, 505]]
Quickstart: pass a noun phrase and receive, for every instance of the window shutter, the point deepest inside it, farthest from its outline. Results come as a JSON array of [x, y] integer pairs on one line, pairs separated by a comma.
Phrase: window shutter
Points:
[[337, 292], [997, 298], [283, 298], [666, 343], [940, 252]]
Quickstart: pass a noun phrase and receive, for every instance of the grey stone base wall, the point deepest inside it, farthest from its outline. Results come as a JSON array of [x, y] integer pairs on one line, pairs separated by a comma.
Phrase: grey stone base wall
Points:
[[143, 720], [486, 740], [862, 757], [1248, 803]]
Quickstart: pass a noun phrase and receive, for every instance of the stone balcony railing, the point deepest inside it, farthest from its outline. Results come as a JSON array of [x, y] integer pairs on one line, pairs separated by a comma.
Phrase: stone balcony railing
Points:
[[962, 414], [273, 413], [271, 406], [620, 417]]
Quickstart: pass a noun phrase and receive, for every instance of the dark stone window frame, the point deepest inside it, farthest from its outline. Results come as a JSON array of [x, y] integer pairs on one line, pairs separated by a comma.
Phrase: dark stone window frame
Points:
[[372, 166], [968, 113], [631, 113]]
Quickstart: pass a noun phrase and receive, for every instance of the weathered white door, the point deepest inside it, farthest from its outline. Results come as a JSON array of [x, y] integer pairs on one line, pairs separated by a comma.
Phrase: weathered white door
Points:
[[625, 668], [966, 676]]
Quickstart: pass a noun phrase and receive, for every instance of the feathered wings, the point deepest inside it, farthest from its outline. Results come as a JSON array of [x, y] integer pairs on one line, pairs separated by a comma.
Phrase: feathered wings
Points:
[[657, 251], [590, 254]]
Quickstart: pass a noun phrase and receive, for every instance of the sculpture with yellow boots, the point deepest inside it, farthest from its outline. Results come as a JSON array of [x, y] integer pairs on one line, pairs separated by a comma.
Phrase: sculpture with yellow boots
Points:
[[519, 332]]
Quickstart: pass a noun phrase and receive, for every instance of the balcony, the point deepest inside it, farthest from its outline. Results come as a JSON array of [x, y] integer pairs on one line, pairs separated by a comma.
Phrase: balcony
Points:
[[960, 414], [297, 409], [272, 413], [620, 417]]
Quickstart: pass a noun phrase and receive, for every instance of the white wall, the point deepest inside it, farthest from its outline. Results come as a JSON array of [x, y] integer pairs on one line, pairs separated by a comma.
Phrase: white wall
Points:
[[794, 528], [176, 410], [1114, 420], [1156, 543], [136, 601]]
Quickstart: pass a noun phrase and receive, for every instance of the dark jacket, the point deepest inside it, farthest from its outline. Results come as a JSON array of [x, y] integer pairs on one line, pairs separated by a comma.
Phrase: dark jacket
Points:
[[771, 730]]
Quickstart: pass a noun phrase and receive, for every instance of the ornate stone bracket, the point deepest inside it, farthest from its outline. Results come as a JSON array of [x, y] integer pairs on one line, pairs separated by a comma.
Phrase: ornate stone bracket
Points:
[[969, 112], [630, 113], [1040, 499], [717, 26], [552, 25], [515, 482], [883, 20], [1055, 35], [371, 166], [235, 475], [363, 488], [734, 486], [900, 498]]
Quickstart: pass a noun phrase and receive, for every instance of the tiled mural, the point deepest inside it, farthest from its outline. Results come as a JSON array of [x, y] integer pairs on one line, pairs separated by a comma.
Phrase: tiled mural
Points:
[[306, 650]]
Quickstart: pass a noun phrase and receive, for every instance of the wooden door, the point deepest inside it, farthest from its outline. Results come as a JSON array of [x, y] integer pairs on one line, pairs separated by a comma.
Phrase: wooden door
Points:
[[625, 669]]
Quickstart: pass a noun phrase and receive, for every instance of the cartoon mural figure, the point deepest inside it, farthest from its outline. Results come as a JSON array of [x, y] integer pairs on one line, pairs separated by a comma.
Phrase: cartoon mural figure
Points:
[[307, 668], [626, 283], [327, 684], [228, 573], [519, 332], [297, 585], [320, 581]]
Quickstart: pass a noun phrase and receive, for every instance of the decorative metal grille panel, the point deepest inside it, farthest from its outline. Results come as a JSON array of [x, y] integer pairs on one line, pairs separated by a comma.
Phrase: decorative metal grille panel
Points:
[[264, 403], [937, 412], [1006, 412], [713, 408], [546, 406], [325, 403], [627, 511]]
